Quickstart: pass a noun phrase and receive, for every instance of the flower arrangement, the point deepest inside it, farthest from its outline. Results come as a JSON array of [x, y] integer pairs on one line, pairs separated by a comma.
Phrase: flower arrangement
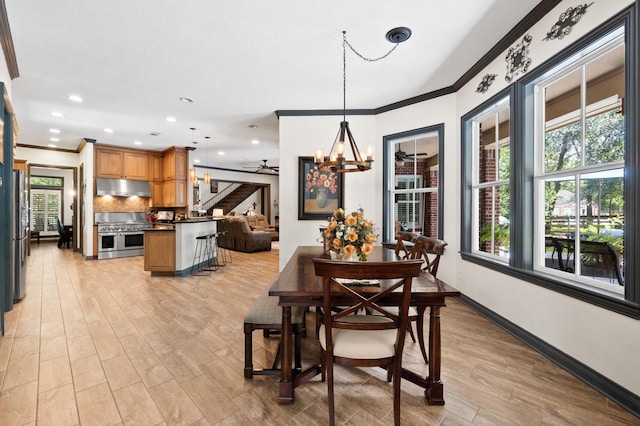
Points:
[[349, 235]]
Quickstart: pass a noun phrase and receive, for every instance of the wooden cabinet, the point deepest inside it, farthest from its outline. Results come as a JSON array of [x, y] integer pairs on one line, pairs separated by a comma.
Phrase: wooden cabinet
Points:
[[135, 166], [109, 163], [156, 168], [175, 177], [160, 251], [157, 193], [175, 163], [113, 163], [175, 193]]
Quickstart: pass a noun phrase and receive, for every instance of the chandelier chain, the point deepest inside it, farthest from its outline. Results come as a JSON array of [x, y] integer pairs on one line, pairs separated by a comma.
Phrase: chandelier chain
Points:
[[346, 43]]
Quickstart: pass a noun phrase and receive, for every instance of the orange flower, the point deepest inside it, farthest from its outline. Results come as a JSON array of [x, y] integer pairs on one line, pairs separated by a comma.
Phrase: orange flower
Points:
[[327, 233], [350, 220], [349, 249], [337, 244], [371, 238], [367, 224], [338, 213], [332, 225], [352, 236], [367, 248]]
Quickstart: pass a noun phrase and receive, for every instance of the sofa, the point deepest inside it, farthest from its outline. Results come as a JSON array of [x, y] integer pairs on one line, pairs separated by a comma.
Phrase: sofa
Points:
[[239, 235], [258, 222]]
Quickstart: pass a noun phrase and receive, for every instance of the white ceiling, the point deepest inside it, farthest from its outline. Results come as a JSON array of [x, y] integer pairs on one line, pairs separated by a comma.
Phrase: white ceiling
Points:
[[239, 61]]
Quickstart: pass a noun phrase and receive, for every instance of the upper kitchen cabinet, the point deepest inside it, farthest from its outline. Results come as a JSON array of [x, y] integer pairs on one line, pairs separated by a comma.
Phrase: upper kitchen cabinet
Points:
[[156, 167], [175, 163], [114, 163]]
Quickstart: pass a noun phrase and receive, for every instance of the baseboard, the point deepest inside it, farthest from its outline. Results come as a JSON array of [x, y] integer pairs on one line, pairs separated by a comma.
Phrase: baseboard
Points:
[[599, 382]]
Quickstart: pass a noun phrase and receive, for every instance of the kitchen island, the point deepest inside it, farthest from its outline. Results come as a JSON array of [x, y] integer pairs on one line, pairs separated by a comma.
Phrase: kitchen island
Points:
[[169, 248]]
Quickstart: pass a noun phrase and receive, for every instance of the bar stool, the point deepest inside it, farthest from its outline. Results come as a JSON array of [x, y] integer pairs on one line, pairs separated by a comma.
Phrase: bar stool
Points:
[[222, 253], [203, 256]]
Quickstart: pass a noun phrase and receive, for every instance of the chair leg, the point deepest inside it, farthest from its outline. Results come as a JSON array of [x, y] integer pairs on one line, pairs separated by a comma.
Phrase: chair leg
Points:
[[248, 352], [397, 377], [420, 330], [330, 396], [410, 330]]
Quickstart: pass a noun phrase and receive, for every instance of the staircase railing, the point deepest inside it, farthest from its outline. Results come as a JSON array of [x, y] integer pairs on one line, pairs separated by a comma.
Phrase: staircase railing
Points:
[[219, 196]]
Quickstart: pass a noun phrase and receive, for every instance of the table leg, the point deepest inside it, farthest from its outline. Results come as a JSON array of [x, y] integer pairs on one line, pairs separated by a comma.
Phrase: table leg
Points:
[[286, 383], [420, 330], [434, 393]]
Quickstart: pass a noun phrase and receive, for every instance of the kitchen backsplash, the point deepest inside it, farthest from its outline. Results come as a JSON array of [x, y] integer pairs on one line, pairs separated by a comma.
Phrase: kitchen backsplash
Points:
[[120, 204]]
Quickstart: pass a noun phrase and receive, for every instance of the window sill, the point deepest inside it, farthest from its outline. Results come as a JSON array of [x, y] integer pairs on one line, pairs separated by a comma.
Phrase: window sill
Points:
[[609, 301]]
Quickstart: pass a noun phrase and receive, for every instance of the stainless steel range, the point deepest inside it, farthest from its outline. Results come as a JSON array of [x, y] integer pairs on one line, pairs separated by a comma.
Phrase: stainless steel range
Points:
[[121, 234]]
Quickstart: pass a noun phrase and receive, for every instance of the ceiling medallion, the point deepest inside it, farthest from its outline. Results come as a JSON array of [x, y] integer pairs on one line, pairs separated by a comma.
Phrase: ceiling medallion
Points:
[[566, 21], [486, 82], [517, 59]]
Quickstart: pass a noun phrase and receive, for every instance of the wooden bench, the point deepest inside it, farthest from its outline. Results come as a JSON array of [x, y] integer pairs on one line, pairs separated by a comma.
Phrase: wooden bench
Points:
[[266, 315]]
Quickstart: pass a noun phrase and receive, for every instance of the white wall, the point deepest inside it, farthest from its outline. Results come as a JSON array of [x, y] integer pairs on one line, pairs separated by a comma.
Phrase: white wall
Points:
[[360, 189], [607, 342]]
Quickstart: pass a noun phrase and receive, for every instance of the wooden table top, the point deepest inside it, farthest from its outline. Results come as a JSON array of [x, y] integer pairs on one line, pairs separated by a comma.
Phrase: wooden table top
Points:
[[298, 280]]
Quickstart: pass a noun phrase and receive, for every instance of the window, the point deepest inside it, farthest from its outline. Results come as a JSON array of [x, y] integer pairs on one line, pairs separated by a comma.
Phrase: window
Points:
[[491, 159], [549, 174], [46, 204], [413, 182], [579, 173]]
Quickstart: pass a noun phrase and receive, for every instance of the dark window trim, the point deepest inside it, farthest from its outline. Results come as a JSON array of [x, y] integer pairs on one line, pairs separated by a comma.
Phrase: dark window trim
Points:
[[386, 140], [521, 260]]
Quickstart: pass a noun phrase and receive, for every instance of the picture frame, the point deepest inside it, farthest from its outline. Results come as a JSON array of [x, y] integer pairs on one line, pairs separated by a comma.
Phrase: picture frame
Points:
[[320, 193], [213, 186]]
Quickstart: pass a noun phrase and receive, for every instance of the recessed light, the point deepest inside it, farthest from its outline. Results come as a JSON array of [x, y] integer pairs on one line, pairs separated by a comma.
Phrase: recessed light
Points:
[[54, 139], [57, 114], [54, 131], [171, 119], [137, 143], [154, 134], [196, 161], [255, 142], [108, 130], [220, 153], [253, 126], [75, 98], [186, 100], [51, 145]]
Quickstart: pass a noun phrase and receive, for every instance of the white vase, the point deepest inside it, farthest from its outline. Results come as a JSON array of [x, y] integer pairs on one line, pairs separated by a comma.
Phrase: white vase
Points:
[[345, 258]]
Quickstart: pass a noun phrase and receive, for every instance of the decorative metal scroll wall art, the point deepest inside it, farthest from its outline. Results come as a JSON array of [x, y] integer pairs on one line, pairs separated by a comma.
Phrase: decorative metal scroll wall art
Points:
[[486, 82], [566, 21], [517, 59]]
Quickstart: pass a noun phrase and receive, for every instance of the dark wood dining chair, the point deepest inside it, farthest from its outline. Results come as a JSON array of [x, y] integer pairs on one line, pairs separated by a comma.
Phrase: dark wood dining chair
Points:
[[404, 243], [428, 250], [352, 339]]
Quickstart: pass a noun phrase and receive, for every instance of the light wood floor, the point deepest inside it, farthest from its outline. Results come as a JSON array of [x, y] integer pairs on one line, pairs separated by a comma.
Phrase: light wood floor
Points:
[[102, 342]]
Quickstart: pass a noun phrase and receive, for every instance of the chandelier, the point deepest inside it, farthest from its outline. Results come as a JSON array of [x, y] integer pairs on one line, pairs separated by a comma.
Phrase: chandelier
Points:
[[337, 160]]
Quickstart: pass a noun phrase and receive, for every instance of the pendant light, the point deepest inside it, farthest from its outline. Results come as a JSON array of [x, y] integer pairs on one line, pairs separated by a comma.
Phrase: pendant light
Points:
[[192, 171], [337, 161], [207, 175]]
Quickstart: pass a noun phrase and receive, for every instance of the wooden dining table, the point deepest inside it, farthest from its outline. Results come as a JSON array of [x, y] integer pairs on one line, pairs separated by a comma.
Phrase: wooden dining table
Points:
[[297, 285]]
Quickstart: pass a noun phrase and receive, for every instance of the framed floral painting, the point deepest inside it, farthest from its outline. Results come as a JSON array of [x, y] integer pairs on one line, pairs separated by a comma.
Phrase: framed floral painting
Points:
[[320, 193]]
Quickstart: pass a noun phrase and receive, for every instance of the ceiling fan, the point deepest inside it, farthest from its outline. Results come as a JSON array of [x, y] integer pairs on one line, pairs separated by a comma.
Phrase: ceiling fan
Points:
[[401, 156], [264, 168]]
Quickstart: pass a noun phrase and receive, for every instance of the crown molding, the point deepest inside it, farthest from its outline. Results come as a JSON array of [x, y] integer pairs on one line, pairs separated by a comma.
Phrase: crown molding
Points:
[[537, 13], [7, 43]]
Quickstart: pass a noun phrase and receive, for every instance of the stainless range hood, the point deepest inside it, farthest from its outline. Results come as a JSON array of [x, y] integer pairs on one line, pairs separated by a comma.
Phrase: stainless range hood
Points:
[[123, 187]]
